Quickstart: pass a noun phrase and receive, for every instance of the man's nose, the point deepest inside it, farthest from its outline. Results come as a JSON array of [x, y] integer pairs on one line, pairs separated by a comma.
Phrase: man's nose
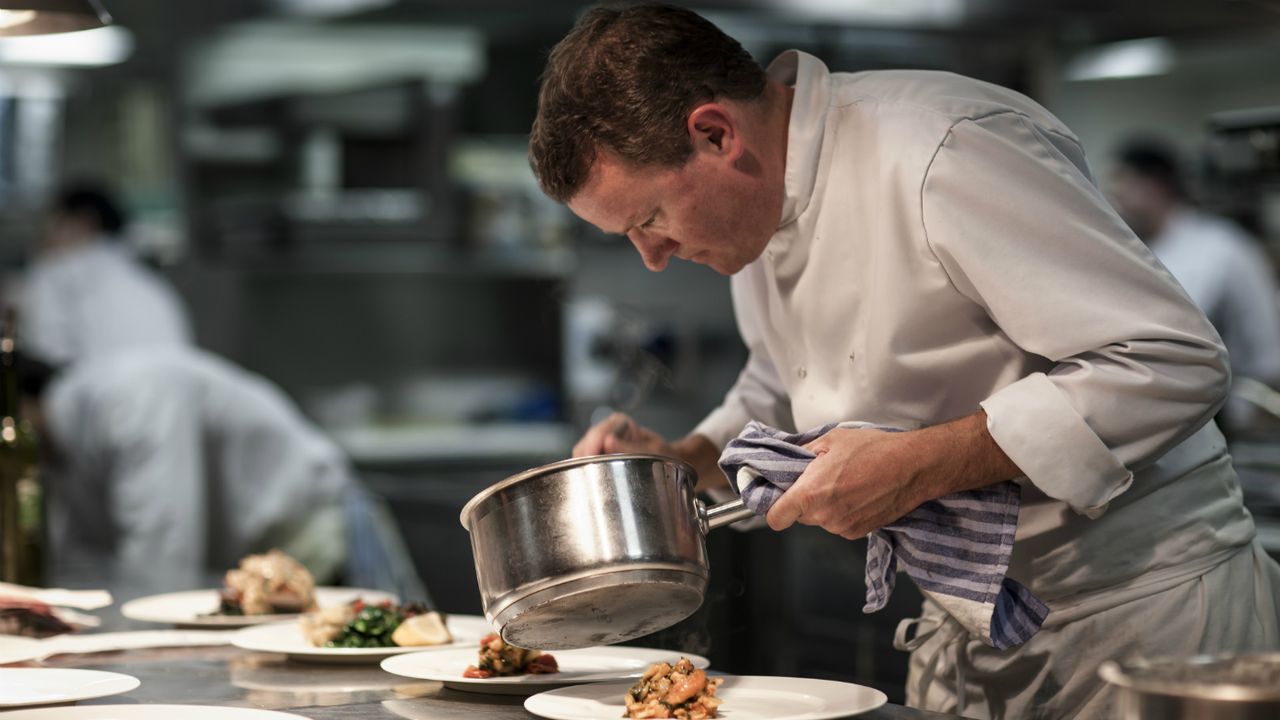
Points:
[[655, 250]]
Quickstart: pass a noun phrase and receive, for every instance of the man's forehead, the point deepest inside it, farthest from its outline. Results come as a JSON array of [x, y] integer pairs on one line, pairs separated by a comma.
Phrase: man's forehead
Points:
[[613, 196]]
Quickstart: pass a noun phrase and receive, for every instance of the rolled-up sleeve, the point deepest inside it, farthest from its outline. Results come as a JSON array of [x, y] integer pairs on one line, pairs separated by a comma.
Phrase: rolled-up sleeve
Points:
[[758, 393], [1013, 216]]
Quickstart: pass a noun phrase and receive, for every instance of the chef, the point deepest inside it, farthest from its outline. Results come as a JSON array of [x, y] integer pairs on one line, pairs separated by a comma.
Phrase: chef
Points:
[[926, 251], [86, 294], [167, 465]]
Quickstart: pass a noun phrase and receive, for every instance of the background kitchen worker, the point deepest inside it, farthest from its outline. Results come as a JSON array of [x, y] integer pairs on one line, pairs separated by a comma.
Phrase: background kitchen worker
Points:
[[86, 293], [1225, 271], [929, 252], [166, 465]]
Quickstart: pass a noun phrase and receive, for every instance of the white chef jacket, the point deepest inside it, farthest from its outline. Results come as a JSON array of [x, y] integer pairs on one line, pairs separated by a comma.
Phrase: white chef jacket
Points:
[[943, 247], [173, 464], [1233, 282], [97, 298]]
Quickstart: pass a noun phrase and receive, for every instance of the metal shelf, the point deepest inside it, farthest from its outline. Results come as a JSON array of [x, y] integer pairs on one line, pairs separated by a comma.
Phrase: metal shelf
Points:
[[420, 444], [364, 259]]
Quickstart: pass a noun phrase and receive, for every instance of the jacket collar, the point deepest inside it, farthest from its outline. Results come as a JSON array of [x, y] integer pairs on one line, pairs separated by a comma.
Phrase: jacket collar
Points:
[[812, 83]]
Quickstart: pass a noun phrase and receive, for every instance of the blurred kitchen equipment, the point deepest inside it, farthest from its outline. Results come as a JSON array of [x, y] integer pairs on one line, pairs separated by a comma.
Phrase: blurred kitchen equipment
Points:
[[1257, 393], [592, 551], [344, 406], [458, 397], [1242, 169], [619, 355], [1226, 687], [38, 17]]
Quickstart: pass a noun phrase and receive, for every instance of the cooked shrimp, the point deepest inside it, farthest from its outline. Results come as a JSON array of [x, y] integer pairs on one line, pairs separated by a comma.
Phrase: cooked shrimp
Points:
[[688, 687], [678, 691]]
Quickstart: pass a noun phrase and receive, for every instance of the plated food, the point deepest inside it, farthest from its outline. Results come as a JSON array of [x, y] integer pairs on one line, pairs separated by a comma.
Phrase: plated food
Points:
[[287, 638], [267, 584], [360, 624], [262, 589], [500, 659], [673, 691], [30, 619], [199, 608], [449, 664], [746, 697]]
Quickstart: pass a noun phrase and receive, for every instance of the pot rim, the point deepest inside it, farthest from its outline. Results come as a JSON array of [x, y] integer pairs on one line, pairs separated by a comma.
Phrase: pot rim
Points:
[[1124, 676], [473, 503]]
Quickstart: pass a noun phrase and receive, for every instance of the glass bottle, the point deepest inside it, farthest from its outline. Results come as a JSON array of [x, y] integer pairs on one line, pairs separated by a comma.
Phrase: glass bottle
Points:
[[22, 519]]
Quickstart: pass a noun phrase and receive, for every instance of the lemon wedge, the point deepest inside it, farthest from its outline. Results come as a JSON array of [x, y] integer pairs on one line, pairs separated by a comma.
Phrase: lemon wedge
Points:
[[425, 629]]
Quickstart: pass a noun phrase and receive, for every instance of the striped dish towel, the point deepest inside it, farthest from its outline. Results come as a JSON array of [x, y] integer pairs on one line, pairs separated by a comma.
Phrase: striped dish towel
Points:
[[956, 548]]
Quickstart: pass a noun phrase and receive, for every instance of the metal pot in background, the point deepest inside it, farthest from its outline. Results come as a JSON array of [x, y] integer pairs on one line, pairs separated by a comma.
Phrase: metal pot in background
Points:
[[1225, 687], [592, 551]]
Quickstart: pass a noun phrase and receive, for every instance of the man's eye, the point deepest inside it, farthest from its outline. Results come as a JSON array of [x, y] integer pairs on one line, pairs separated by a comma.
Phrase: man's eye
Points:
[[649, 222]]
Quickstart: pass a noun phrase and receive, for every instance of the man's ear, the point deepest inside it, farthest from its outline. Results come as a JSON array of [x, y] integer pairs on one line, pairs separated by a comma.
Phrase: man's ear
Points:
[[713, 129]]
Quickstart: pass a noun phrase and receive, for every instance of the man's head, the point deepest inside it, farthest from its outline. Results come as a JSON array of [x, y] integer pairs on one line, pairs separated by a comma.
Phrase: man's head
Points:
[[655, 124], [1145, 185], [81, 213]]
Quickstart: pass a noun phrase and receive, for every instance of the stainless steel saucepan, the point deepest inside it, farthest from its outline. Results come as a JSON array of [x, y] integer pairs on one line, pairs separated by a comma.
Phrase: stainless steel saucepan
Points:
[[1222, 687], [592, 551]]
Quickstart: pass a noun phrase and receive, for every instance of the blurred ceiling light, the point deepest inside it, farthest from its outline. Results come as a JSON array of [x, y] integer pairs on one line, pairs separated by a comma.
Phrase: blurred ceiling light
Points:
[[329, 7], [1128, 59], [877, 12], [11, 18], [264, 59], [39, 17], [87, 48]]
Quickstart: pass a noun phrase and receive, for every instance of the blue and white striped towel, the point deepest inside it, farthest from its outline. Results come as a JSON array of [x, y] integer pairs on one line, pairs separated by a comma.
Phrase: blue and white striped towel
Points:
[[956, 548]]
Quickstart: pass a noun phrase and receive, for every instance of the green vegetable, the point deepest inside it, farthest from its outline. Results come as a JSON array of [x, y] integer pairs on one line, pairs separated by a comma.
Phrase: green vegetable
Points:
[[371, 628]]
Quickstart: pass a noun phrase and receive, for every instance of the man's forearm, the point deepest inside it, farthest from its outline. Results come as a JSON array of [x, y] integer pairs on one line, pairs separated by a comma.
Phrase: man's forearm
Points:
[[956, 456], [704, 456]]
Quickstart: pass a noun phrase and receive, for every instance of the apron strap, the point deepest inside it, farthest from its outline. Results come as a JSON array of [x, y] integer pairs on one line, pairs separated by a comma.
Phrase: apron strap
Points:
[[949, 632]]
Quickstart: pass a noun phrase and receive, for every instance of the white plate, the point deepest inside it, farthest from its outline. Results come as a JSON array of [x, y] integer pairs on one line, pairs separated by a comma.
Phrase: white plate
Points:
[[287, 638], [746, 697], [24, 687], [193, 607], [595, 664], [149, 712]]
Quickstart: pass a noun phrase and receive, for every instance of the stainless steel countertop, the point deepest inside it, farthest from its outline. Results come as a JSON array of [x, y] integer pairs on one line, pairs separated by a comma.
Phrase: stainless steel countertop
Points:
[[237, 678]]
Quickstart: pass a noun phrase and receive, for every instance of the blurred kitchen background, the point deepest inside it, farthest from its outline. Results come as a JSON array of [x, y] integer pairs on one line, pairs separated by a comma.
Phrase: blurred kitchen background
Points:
[[339, 191]]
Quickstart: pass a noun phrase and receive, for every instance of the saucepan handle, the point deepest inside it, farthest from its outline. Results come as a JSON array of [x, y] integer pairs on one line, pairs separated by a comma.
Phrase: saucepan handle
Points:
[[722, 514]]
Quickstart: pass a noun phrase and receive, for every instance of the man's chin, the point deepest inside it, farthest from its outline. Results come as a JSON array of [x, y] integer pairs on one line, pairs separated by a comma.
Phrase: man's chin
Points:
[[704, 258], [718, 266], [726, 270]]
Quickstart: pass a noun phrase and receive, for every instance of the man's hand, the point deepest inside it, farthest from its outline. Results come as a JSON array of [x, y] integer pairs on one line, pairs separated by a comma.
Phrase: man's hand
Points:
[[861, 481], [618, 433], [865, 479]]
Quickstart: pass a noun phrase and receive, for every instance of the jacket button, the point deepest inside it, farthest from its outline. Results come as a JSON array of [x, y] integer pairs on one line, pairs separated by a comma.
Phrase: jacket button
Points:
[[801, 372]]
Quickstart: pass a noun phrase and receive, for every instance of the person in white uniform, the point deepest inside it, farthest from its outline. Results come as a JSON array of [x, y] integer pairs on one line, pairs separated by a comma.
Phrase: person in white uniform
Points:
[[167, 465], [86, 294], [1225, 271], [931, 252]]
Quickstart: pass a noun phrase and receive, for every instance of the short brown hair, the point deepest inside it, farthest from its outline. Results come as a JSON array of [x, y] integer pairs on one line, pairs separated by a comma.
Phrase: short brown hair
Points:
[[625, 80]]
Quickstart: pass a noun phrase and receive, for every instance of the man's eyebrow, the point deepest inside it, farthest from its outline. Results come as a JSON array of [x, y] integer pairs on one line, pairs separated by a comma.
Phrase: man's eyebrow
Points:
[[630, 223]]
